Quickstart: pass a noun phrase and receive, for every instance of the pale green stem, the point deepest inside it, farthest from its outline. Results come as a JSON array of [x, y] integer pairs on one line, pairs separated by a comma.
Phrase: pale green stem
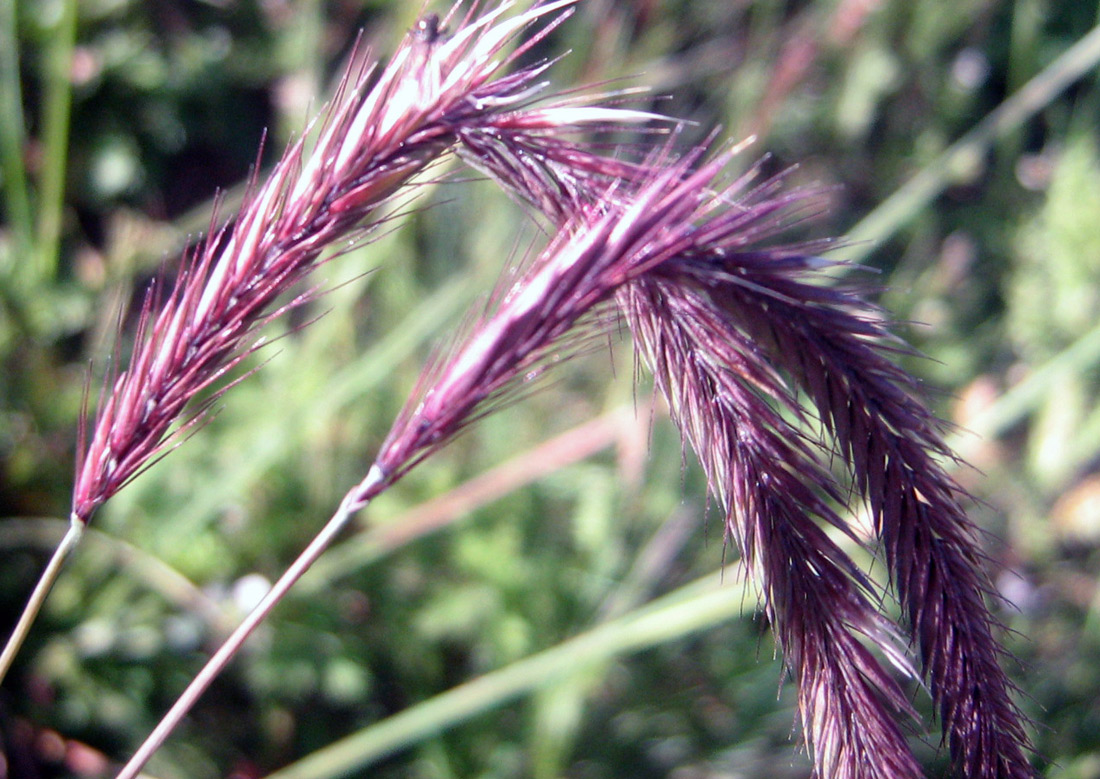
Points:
[[55, 142], [964, 154], [38, 597], [227, 651], [696, 606], [16, 201], [148, 569]]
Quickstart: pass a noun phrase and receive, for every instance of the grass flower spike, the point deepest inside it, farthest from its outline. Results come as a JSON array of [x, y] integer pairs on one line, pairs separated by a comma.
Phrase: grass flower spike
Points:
[[782, 384], [773, 487], [378, 134], [540, 316], [381, 129], [733, 321], [836, 349]]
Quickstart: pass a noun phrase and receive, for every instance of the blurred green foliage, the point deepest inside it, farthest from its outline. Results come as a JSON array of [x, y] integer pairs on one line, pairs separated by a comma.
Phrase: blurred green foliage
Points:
[[122, 118]]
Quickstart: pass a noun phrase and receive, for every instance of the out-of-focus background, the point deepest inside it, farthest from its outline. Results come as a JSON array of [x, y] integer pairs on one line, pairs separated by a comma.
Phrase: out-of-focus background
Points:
[[544, 597]]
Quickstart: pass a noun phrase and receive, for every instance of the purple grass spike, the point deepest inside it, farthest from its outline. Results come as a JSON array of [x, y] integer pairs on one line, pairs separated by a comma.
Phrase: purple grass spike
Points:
[[771, 480], [450, 79], [834, 346], [770, 374], [771, 304], [838, 351], [380, 131], [538, 316]]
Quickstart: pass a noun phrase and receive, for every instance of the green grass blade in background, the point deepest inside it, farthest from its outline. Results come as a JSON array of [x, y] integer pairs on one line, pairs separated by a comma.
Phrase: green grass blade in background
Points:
[[694, 607], [965, 154], [17, 207], [55, 140]]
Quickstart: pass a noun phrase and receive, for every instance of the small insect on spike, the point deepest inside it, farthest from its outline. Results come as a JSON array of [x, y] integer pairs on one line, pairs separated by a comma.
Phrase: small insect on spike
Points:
[[427, 29]]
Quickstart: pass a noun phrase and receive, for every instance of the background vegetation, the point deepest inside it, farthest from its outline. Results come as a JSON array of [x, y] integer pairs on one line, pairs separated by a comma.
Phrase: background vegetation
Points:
[[544, 597]]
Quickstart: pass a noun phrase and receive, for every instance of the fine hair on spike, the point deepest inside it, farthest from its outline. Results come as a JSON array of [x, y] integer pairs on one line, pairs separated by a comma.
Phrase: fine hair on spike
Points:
[[381, 130], [733, 307]]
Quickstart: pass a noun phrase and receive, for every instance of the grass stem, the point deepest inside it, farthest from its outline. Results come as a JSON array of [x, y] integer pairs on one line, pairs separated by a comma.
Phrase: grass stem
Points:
[[41, 590], [228, 650]]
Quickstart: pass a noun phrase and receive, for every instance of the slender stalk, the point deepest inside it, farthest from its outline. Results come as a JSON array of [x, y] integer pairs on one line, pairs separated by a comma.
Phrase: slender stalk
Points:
[[147, 569], [217, 663], [570, 447], [68, 543]]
